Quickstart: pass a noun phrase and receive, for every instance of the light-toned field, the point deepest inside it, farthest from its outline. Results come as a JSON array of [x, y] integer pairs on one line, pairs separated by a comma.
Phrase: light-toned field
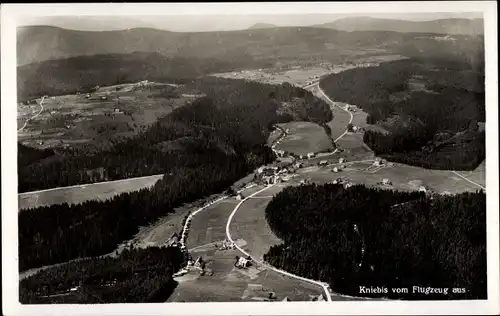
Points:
[[478, 175], [403, 177], [303, 74], [229, 284], [250, 224], [78, 194], [110, 112], [304, 137]]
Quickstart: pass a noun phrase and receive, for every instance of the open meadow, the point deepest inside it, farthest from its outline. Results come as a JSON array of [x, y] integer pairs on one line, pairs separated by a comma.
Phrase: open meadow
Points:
[[81, 193], [224, 282], [303, 138], [96, 118], [305, 72]]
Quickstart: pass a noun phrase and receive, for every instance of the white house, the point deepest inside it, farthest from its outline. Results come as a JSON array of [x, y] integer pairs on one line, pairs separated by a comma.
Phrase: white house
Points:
[[336, 169], [341, 160], [323, 163], [310, 155], [386, 182]]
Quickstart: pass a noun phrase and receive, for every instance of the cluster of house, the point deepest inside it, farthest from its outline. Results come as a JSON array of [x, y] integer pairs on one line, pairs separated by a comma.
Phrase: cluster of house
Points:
[[274, 174], [224, 245], [242, 263], [347, 184]]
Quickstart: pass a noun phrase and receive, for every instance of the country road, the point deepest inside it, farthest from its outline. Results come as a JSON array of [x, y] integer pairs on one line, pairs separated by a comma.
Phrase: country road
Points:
[[333, 104], [33, 117]]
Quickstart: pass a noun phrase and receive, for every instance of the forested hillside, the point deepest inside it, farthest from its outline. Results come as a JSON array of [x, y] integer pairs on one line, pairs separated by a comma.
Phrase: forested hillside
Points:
[[67, 76], [430, 107], [233, 120], [408, 239], [201, 148], [135, 276]]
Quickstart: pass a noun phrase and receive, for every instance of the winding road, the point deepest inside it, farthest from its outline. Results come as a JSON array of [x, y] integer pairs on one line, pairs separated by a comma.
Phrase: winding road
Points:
[[323, 285], [34, 116]]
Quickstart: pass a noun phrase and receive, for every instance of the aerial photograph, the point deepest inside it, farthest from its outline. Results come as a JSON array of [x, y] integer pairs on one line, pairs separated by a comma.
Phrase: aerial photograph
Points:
[[252, 158]]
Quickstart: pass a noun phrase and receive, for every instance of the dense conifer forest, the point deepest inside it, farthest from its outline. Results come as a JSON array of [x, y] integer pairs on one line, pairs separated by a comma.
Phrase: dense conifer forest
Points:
[[135, 276], [370, 237], [202, 149], [429, 107]]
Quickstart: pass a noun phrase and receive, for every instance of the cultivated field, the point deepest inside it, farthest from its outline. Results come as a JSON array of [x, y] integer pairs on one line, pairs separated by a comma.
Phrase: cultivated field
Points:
[[304, 137], [81, 193], [250, 224], [108, 113], [403, 177], [227, 282]]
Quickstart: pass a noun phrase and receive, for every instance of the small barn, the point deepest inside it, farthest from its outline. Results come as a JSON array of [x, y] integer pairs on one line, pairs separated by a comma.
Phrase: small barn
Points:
[[341, 160], [310, 155], [323, 163], [386, 181]]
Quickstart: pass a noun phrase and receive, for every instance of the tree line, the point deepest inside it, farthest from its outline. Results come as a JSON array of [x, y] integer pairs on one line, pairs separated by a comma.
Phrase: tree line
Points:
[[135, 276], [219, 139], [370, 237]]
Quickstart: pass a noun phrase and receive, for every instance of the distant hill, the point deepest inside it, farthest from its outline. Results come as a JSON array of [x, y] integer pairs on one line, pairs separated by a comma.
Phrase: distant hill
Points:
[[262, 26], [41, 43], [441, 26]]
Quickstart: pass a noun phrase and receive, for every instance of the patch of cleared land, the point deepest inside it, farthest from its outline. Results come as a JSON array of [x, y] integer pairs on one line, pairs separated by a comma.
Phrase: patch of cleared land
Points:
[[304, 137], [307, 73], [250, 224], [110, 112], [478, 175], [229, 284], [78, 194], [403, 177]]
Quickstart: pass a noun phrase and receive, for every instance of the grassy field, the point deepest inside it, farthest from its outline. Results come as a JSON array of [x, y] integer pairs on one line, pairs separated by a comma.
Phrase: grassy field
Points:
[[109, 113], [82, 193], [304, 137], [250, 224], [302, 73], [229, 284], [478, 175], [403, 177]]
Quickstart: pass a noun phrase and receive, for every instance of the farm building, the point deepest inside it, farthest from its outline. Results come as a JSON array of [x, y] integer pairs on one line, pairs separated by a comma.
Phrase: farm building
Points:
[[348, 185], [255, 287], [311, 155], [336, 169], [341, 160], [242, 262], [104, 97], [286, 299], [240, 197], [386, 181], [173, 241], [322, 163]]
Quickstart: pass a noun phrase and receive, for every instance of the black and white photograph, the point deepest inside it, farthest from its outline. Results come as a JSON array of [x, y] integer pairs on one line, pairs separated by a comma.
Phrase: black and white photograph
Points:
[[280, 158]]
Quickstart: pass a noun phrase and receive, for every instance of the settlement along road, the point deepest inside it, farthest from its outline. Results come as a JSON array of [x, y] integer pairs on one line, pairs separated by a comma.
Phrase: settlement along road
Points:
[[33, 117], [323, 285]]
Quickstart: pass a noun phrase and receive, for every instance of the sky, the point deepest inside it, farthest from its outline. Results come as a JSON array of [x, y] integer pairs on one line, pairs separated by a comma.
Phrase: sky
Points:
[[201, 23]]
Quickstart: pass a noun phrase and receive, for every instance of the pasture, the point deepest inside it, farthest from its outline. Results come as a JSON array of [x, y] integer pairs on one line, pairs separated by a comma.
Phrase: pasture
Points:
[[81, 193], [304, 137], [95, 119], [249, 223], [230, 284]]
